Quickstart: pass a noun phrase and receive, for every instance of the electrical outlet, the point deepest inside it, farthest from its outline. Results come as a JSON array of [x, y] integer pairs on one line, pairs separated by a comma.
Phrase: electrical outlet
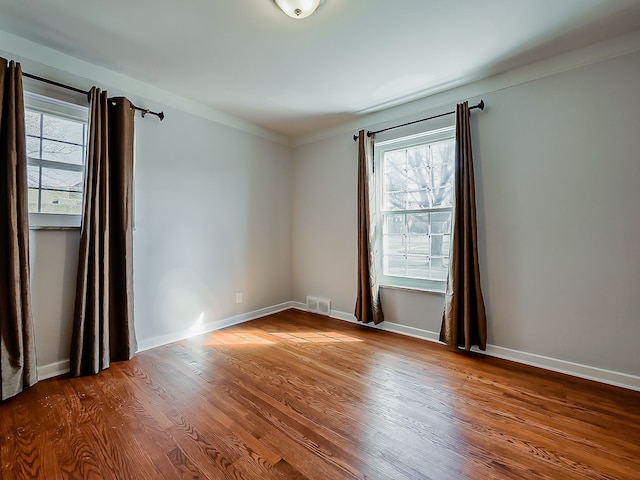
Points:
[[239, 297]]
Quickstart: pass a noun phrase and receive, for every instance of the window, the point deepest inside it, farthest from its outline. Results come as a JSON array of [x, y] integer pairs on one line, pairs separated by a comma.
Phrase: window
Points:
[[415, 178], [56, 148]]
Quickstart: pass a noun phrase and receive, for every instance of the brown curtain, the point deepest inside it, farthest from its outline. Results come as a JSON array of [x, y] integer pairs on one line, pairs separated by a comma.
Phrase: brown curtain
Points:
[[17, 341], [368, 308], [103, 329], [464, 321]]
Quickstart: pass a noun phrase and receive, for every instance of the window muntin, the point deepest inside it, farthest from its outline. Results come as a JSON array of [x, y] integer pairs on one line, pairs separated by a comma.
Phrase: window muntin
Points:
[[415, 194], [56, 149]]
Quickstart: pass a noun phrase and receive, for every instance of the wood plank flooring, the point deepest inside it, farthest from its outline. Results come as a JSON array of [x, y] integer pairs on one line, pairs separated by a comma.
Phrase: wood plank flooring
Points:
[[299, 396]]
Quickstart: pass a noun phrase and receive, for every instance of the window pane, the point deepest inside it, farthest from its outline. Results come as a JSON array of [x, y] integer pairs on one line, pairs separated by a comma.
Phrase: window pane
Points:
[[395, 201], [33, 176], [394, 224], [61, 152], [395, 244], [439, 269], [418, 267], [395, 175], [440, 244], [61, 202], [442, 152], [56, 128], [395, 265], [33, 200], [411, 266], [441, 197], [62, 179], [417, 199], [442, 175], [440, 222], [418, 167], [32, 123], [418, 244], [418, 223], [418, 234], [33, 147], [395, 162], [395, 182]]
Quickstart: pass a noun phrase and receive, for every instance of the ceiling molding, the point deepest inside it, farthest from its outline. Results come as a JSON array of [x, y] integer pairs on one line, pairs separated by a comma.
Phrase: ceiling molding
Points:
[[447, 95], [41, 60]]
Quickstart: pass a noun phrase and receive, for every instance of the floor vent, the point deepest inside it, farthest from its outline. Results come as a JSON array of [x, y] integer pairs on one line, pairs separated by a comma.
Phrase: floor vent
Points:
[[319, 305]]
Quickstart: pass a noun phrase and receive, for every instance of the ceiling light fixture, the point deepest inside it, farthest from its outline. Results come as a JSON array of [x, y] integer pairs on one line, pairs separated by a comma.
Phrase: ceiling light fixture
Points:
[[298, 8]]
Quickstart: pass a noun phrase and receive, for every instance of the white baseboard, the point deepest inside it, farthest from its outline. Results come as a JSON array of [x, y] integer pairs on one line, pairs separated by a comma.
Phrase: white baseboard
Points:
[[298, 305], [609, 377], [53, 369], [601, 375]]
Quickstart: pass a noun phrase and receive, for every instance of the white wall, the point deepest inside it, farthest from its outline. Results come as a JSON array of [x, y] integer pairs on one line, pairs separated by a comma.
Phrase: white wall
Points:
[[54, 263], [556, 175], [213, 217], [324, 222]]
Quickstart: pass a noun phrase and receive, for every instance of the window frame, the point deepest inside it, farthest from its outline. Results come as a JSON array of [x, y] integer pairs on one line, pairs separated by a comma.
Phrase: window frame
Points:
[[48, 105], [380, 148]]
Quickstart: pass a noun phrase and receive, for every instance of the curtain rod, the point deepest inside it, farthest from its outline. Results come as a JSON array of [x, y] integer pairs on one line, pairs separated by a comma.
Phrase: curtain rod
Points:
[[479, 105], [144, 111]]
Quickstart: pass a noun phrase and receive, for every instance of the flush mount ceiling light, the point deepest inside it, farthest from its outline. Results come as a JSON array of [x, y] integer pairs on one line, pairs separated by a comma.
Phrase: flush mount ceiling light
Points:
[[298, 8]]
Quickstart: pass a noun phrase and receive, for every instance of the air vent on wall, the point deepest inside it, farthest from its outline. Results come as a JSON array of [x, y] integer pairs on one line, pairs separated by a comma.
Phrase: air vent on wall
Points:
[[319, 305]]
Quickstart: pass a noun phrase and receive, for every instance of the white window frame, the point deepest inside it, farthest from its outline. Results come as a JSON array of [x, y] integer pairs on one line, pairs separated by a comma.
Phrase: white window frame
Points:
[[380, 149], [58, 108]]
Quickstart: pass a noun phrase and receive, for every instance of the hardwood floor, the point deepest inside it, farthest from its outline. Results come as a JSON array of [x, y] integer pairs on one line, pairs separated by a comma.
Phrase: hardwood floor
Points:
[[298, 396]]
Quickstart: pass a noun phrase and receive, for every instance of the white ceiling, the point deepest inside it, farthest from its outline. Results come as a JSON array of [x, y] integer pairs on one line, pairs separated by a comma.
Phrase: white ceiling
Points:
[[248, 59]]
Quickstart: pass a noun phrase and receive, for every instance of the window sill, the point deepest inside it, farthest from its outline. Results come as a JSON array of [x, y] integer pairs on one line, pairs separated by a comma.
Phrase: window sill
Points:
[[54, 221], [414, 289], [52, 227]]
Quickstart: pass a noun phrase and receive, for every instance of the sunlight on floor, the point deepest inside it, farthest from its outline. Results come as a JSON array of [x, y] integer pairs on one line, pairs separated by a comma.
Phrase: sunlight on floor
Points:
[[315, 337], [230, 339]]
